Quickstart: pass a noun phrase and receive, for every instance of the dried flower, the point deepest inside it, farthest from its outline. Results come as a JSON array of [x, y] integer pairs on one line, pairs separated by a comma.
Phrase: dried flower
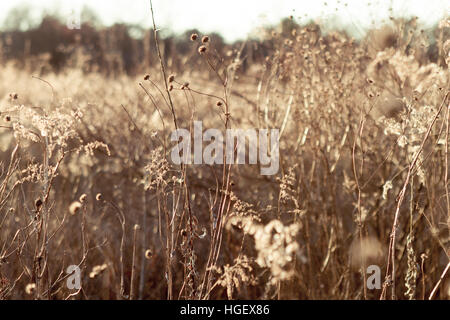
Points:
[[83, 198], [38, 203], [99, 197], [74, 207], [171, 78], [205, 39], [147, 76], [202, 49], [29, 289], [148, 254], [97, 270], [194, 36]]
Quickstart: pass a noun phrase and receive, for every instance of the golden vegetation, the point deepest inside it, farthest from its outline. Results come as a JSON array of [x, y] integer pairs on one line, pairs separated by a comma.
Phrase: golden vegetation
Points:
[[364, 133]]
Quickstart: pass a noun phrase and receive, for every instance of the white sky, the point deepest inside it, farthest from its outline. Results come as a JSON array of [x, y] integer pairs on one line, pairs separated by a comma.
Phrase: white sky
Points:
[[236, 18]]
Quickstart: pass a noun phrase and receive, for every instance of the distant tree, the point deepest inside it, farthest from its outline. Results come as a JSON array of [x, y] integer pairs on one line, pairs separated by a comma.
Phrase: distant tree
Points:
[[287, 26], [19, 18], [88, 15]]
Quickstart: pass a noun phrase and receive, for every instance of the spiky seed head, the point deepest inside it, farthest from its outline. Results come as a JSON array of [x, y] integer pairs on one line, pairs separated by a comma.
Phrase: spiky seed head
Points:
[[83, 198], [38, 203], [75, 207], [148, 254], [29, 289]]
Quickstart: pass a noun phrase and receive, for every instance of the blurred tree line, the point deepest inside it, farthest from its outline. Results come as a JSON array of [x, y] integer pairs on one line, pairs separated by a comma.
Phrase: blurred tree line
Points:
[[47, 44]]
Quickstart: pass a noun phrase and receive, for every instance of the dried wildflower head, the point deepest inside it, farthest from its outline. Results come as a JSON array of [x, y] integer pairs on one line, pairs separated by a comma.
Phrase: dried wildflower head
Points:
[[29, 289], [171, 78], [157, 169], [13, 96], [7, 118], [236, 276], [148, 254], [97, 270], [147, 76], [83, 198], [170, 87], [205, 39], [276, 245], [38, 203], [185, 86], [194, 37], [99, 197], [202, 49], [75, 207], [219, 103]]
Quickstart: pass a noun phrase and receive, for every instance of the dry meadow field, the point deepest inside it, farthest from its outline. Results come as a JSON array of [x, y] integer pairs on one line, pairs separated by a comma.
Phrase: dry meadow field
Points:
[[87, 180]]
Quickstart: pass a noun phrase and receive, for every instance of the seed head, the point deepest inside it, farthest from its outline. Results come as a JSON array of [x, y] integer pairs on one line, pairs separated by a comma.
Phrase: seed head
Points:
[[29, 289], [147, 76], [75, 207], [7, 118], [99, 197], [219, 103], [202, 49], [14, 96], [148, 254], [170, 87], [194, 36], [171, 78], [205, 39], [38, 203], [83, 198]]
